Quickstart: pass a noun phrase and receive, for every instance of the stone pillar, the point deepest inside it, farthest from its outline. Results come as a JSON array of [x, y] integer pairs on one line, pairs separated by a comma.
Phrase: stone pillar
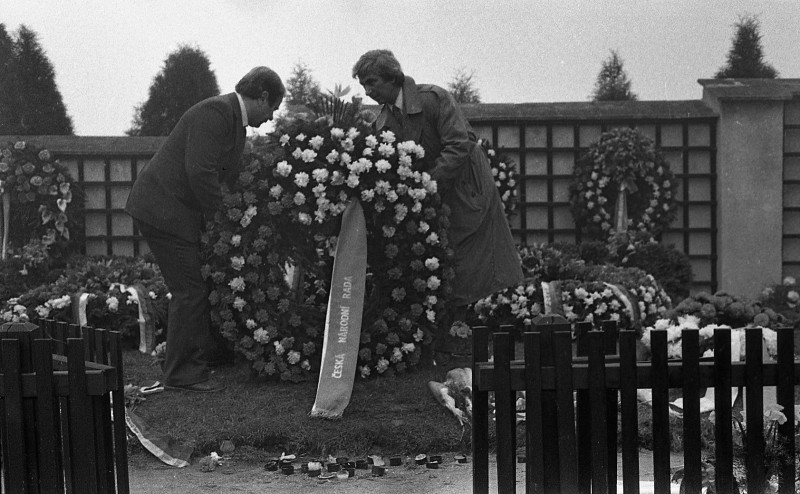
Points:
[[749, 181]]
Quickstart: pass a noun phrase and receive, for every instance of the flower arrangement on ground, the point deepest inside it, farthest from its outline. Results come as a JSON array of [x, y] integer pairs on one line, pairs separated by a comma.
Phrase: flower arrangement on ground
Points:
[[105, 293], [559, 282], [282, 217], [726, 309], [783, 298], [44, 200], [675, 329], [623, 162]]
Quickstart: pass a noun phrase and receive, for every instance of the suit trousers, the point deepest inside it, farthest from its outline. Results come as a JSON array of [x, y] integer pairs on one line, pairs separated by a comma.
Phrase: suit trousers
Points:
[[189, 321]]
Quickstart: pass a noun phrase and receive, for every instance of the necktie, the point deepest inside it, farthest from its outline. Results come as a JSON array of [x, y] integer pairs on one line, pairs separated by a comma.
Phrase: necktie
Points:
[[398, 115]]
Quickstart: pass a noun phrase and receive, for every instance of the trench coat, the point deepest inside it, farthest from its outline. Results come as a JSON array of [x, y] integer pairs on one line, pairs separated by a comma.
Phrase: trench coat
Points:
[[486, 258]]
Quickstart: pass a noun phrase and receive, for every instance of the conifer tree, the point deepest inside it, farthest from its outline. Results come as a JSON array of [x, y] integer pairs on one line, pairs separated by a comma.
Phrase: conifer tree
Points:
[[8, 89], [185, 79], [39, 106], [746, 56], [612, 82], [302, 88], [462, 87]]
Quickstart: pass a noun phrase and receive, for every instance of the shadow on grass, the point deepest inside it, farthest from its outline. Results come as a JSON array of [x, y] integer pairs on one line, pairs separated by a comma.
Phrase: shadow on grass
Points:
[[395, 415]]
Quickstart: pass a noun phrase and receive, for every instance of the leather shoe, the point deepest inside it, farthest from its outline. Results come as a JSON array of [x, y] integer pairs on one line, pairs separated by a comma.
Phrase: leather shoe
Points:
[[202, 387]]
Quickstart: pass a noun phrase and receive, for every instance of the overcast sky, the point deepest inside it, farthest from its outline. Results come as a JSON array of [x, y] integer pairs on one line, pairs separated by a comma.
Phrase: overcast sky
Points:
[[106, 53]]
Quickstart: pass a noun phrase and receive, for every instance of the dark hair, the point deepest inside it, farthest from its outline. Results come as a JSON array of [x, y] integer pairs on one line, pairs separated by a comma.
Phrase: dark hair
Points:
[[381, 63], [261, 79]]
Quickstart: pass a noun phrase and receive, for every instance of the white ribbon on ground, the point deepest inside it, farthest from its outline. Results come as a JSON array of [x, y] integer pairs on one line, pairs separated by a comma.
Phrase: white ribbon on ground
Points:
[[343, 319]]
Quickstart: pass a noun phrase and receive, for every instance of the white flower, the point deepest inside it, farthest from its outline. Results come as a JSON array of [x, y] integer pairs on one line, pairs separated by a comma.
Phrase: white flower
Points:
[[299, 198], [431, 315], [346, 159], [433, 283], [352, 133], [250, 324], [320, 175], [283, 168], [261, 335], [337, 133], [383, 364], [432, 263], [301, 179], [278, 347], [386, 150], [236, 240], [408, 347], [388, 231], [383, 166], [297, 153], [237, 284], [367, 195], [418, 335], [352, 181], [365, 372], [432, 239], [371, 141], [293, 357], [367, 151], [309, 155], [305, 365], [304, 218], [284, 139], [112, 303], [332, 156], [237, 262], [300, 137], [316, 142], [276, 190], [388, 136], [397, 355]]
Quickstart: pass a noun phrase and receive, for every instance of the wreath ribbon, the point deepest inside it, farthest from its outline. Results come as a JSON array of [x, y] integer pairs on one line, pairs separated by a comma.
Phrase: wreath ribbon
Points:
[[6, 219], [343, 319]]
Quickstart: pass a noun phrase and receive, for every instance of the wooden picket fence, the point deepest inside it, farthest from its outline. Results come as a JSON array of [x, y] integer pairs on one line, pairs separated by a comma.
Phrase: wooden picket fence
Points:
[[573, 401], [63, 408]]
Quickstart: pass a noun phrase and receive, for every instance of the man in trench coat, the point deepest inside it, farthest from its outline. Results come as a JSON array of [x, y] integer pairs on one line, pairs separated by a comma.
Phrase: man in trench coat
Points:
[[486, 258], [173, 196]]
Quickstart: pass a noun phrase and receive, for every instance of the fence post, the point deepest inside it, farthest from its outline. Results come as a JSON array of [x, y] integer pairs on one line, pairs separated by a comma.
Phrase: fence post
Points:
[[480, 414], [584, 416], [786, 400], [754, 397], [534, 468], [628, 384], [546, 325], [659, 372], [505, 413], [692, 446], [723, 434]]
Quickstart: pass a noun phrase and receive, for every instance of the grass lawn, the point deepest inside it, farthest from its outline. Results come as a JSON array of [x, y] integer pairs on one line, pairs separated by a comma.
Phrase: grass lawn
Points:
[[386, 416]]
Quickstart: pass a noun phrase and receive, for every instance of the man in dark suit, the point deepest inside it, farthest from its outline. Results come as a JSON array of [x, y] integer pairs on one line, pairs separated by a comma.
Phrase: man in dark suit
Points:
[[173, 196], [486, 258]]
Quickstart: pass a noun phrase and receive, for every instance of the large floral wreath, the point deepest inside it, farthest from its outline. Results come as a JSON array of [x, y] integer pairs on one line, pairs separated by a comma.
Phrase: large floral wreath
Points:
[[505, 174], [269, 257], [622, 157], [40, 191]]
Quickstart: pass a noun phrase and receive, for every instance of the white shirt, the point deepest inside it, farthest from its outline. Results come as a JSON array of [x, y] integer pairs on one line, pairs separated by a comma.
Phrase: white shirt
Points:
[[244, 110], [399, 101]]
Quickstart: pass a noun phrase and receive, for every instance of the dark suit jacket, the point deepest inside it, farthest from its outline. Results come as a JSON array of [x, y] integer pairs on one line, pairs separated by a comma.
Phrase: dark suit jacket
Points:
[[180, 187]]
